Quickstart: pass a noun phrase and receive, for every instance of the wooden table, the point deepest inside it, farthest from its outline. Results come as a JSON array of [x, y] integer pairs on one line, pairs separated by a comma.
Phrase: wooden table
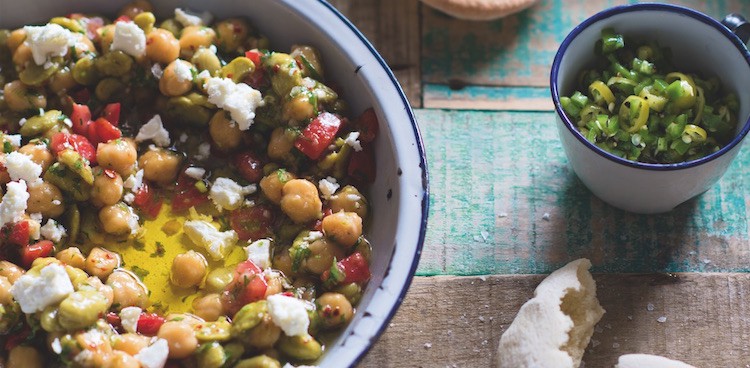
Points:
[[505, 208]]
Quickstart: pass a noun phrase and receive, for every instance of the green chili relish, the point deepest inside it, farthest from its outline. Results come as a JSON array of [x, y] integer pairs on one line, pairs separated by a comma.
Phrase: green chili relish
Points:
[[639, 107]]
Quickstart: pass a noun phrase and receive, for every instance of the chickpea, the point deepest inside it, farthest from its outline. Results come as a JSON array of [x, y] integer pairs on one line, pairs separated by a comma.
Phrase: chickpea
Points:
[[72, 257], [128, 290], [188, 269], [106, 35], [45, 198], [231, 34], [349, 199], [281, 143], [23, 356], [180, 338], [264, 335], [300, 201], [19, 97], [174, 84], [130, 343], [160, 165], [39, 154], [10, 271], [119, 155], [116, 219], [344, 228], [107, 189], [298, 108], [101, 263], [334, 309], [322, 253], [135, 8], [193, 38], [121, 359], [225, 133], [272, 184], [275, 284], [161, 46], [15, 39], [208, 307], [5, 295], [62, 81], [22, 55]]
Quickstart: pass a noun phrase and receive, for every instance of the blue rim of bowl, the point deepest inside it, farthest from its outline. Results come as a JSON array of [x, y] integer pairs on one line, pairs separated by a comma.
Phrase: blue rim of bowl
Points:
[[425, 182], [742, 48]]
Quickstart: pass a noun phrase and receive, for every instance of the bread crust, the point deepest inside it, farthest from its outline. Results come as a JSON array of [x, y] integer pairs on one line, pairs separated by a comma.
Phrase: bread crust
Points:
[[479, 9], [552, 329]]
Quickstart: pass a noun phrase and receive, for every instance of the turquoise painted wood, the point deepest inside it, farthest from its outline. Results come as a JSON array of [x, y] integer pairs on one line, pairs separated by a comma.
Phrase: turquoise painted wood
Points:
[[503, 200], [517, 50]]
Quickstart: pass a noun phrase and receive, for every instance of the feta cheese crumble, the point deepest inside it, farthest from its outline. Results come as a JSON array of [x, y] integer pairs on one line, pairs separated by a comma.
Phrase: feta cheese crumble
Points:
[[195, 172], [155, 355], [259, 252], [289, 313], [129, 318], [182, 71], [129, 38], [22, 167], [13, 205], [239, 99], [154, 131], [352, 140], [36, 292], [227, 194], [328, 187], [204, 234], [48, 41], [53, 231], [189, 18]]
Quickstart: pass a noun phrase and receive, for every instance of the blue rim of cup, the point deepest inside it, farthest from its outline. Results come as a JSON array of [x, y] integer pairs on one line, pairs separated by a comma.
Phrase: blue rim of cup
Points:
[[634, 8]]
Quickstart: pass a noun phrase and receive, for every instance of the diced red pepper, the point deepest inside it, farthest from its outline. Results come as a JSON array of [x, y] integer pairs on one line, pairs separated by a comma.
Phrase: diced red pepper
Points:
[[252, 223], [249, 166], [78, 143], [112, 113], [146, 201], [29, 253], [362, 165], [81, 118], [149, 324], [186, 194], [367, 125], [248, 285], [318, 135], [254, 56], [17, 233], [105, 131], [355, 269]]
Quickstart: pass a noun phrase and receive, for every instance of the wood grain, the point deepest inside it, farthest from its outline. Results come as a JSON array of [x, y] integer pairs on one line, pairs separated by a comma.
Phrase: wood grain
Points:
[[393, 28], [503, 200], [458, 321]]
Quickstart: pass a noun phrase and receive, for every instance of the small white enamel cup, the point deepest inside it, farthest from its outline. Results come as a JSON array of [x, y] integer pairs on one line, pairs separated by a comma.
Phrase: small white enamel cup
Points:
[[698, 43]]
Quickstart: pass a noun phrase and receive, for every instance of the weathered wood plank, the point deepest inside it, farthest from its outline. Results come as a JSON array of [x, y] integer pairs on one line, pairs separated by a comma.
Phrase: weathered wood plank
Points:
[[494, 176], [393, 28], [517, 50], [458, 321]]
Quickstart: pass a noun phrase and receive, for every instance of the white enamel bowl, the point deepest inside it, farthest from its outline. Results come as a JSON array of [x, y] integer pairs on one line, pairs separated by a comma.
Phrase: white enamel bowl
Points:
[[699, 43], [399, 195]]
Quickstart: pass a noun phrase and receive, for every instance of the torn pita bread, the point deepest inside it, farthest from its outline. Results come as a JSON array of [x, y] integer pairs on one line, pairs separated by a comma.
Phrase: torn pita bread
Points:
[[552, 329], [479, 9], [648, 361]]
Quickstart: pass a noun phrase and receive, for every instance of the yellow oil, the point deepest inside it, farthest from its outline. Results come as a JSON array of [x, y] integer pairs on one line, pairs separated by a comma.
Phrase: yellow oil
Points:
[[144, 256]]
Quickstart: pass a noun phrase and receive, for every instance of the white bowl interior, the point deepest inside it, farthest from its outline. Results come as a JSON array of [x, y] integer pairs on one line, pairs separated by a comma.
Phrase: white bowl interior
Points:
[[696, 47], [398, 197]]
